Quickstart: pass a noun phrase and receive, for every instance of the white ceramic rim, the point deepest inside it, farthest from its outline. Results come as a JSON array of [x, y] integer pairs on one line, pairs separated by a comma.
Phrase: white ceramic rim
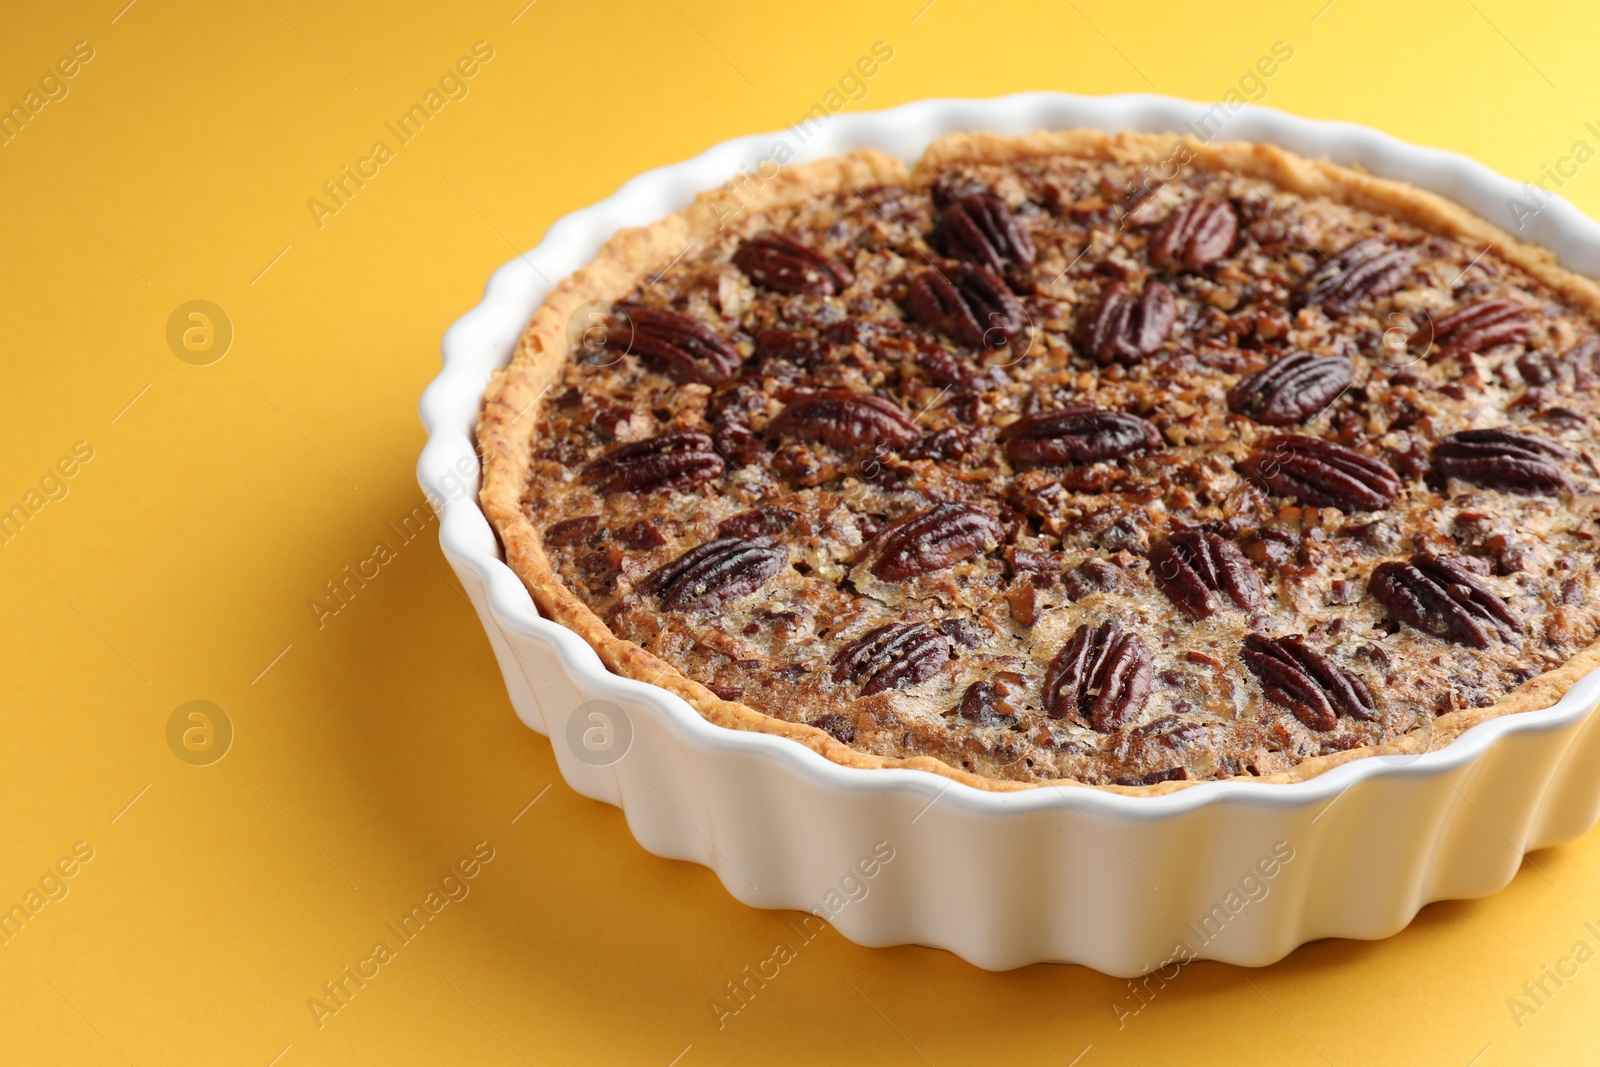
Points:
[[483, 340]]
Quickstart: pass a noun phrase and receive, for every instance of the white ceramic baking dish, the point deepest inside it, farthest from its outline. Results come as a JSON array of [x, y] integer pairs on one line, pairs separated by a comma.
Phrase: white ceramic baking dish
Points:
[[1235, 871]]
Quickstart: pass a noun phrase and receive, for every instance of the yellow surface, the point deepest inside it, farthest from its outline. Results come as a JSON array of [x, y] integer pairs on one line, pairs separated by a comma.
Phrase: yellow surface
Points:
[[372, 755]]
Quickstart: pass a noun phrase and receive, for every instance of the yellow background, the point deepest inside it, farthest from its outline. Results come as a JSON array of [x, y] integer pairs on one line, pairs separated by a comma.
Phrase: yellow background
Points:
[[378, 750]]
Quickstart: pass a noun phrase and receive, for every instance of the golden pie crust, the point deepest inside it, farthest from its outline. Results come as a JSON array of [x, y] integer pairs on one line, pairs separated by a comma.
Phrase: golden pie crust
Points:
[[512, 403]]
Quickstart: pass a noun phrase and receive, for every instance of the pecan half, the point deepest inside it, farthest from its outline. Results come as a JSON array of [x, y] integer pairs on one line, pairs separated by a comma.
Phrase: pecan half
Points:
[[1078, 434], [1474, 328], [845, 420], [1440, 596], [787, 266], [1298, 677], [1195, 235], [1102, 675], [981, 229], [1364, 270], [896, 656], [675, 458], [934, 540], [1293, 389], [1320, 473], [1191, 567], [970, 304], [686, 349], [1125, 327], [1503, 459], [715, 572]]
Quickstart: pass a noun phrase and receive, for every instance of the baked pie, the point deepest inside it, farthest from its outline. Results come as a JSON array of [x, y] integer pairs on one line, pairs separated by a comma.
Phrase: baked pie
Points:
[[1115, 459]]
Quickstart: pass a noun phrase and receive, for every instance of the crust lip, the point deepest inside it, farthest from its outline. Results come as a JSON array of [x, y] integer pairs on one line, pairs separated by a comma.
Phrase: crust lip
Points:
[[628, 257]]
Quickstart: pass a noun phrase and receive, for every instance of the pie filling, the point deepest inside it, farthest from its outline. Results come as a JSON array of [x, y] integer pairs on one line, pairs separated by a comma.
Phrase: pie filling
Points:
[[1052, 470]]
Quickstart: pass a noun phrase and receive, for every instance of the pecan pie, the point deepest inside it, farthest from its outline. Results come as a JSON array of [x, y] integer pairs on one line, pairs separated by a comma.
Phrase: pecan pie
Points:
[[1122, 460]]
